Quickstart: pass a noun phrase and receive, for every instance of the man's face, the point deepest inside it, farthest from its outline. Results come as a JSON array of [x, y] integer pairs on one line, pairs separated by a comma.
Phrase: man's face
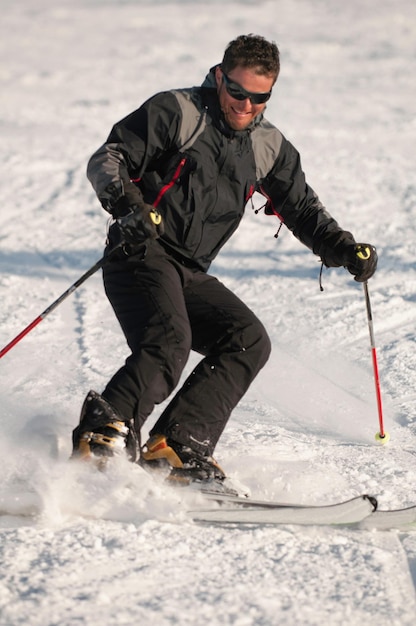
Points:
[[240, 113]]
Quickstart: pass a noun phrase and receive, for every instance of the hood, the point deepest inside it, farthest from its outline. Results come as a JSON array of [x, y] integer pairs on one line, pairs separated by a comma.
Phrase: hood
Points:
[[210, 82]]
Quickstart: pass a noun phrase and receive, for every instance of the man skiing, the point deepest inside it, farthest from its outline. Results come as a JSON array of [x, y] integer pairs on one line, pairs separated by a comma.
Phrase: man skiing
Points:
[[176, 175]]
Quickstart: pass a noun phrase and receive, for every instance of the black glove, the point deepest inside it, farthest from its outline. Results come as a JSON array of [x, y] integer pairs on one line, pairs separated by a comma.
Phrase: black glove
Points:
[[136, 220], [141, 223], [360, 260]]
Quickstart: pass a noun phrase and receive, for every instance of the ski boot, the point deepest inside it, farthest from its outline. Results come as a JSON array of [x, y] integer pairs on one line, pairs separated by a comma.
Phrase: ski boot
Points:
[[185, 466], [100, 433]]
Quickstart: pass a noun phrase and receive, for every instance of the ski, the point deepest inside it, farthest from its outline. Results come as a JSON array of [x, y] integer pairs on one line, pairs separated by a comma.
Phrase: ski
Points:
[[360, 512], [351, 512], [246, 511], [20, 504], [389, 519]]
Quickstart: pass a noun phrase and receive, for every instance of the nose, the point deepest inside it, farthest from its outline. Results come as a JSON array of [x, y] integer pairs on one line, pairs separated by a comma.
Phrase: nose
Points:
[[244, 105]]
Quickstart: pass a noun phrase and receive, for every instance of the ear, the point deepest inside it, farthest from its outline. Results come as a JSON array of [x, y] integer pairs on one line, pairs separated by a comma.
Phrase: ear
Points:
[[218, 76]]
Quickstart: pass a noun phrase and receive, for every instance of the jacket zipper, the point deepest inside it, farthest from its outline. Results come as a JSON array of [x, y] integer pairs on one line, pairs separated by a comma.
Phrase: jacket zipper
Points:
[[170, 184]]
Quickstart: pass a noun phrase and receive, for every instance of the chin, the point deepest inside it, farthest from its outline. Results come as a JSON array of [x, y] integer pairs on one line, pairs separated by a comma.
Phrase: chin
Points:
[[238, 124]]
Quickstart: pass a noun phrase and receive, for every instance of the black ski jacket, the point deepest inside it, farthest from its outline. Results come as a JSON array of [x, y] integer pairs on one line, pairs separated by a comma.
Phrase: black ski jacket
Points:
[[186, 161]]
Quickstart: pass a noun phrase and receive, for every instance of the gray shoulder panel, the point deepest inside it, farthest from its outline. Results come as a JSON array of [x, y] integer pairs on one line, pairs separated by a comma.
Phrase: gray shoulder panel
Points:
[[193, 121], [266, 141]]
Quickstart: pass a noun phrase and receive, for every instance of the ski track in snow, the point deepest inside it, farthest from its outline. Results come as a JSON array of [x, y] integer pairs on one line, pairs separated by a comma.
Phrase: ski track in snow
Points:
[[114, 549]]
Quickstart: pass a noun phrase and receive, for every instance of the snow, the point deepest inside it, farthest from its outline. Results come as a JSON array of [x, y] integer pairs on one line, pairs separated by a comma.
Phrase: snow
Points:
[[115, 549]]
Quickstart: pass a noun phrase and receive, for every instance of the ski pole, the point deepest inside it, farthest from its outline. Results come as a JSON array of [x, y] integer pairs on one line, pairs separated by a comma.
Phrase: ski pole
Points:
[[58, 301], [382, 436]]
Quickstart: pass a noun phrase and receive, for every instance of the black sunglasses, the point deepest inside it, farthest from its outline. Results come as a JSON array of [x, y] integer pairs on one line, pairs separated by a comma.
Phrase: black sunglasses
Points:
[[238, 92]]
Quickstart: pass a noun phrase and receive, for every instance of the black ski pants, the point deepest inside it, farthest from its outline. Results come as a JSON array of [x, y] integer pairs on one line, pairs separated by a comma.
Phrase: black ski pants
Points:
[[165, 310]]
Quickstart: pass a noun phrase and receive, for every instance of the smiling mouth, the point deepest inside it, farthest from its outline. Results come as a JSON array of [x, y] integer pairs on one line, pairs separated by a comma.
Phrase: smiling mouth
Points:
[[241, 113], [238, 119]]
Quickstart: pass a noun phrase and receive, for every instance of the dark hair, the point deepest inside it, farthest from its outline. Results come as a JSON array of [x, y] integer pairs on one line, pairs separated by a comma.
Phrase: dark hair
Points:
[[254, 52]]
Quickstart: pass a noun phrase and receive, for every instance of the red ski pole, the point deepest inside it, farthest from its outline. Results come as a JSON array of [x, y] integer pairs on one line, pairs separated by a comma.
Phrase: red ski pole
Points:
[[57, 302], [382, 436]]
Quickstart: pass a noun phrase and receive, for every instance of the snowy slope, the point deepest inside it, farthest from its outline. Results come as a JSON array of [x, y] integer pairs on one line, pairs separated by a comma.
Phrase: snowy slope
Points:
[[115, 549]]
